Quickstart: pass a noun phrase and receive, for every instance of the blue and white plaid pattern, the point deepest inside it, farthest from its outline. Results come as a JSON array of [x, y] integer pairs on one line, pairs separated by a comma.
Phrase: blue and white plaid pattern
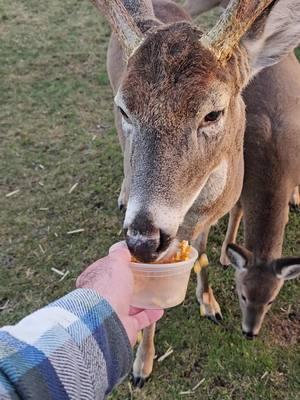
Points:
[[75, 348]]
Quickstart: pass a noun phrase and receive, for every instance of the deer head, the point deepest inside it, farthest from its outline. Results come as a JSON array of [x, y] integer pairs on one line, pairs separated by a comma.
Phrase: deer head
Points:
[[258, 283], [181, 106]]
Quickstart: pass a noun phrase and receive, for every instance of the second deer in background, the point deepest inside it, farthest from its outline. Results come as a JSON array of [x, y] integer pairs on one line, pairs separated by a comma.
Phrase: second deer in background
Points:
[[272, 171], [271, 179]]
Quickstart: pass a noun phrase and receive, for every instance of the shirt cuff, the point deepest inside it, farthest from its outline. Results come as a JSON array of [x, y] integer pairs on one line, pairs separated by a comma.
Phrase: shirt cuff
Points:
[[101, 325]]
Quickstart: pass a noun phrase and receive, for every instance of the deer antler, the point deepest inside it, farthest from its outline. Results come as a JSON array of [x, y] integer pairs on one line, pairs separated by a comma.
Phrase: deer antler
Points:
[[124, 26], [233, 24]]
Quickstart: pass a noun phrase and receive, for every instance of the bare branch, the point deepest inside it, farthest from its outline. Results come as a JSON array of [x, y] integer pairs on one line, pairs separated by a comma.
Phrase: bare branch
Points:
[[122, 23], [233, 24]]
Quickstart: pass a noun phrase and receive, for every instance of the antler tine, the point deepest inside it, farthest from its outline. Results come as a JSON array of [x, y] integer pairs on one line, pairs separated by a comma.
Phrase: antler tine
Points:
[[233, 24], [124, 26]]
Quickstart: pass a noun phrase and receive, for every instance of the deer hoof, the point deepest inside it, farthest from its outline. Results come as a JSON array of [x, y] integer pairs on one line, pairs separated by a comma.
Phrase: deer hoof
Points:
[[294, 207], [123, 197], [210, 308], [143, 365], [138, 381], [295, 199], [224, 260], [216, 319], [121, 202], [122, 207]]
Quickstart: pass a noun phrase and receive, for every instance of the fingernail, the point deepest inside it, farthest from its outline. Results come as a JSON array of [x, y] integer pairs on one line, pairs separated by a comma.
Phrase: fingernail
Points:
[[118, 246], [155, 315]]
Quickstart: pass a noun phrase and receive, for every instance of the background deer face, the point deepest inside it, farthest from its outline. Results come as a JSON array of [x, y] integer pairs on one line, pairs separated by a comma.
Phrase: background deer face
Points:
[[258, 284], [183, 115]]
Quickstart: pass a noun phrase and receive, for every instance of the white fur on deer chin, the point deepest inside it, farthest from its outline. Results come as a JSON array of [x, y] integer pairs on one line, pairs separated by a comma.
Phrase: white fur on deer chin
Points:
[[163, 216], [169, 218]]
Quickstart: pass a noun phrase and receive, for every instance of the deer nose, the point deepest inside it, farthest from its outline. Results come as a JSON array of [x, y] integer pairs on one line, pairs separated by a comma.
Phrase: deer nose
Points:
[[144, 240], [249, 335]]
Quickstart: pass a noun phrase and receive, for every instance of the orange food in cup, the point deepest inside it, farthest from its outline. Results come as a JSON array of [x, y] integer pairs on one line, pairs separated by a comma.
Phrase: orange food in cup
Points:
[[182, 254]]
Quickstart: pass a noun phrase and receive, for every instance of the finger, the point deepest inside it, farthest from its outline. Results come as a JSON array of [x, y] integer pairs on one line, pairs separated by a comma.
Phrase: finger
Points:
[[120, 250], [134, 310], [147, 317], [77, 283], [119, 245]]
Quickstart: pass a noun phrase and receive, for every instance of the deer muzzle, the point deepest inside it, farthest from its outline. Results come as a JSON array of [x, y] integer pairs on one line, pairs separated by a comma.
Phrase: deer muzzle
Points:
[[145, 240]]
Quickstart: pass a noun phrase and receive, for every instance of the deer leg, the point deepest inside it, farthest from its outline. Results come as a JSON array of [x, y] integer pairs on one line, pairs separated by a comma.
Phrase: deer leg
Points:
[[196, 7], [235, 217], [123, 196], [143, 363], [124, 193], [295, 198], [209, 306]]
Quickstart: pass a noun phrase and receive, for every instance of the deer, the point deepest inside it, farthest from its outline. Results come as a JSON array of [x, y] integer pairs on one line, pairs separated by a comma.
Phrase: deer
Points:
[[272, 173], [258, 282], [197, 7], [271, 179], [180, 118]]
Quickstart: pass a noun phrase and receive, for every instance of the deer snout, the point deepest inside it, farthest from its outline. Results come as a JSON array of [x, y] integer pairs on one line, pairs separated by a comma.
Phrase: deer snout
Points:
[[249, 335], [253, 316], [145, 240]]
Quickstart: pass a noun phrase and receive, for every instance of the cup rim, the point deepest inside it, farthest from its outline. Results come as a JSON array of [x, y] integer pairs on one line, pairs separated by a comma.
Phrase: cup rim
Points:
[[191, 260]]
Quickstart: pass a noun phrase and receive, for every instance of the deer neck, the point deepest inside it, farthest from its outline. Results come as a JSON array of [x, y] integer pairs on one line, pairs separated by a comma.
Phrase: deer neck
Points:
[[217, 197]]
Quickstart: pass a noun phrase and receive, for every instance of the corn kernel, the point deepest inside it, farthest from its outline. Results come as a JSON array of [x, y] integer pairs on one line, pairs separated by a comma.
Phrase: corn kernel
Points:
[[197, 267], [203, 260], [183, 253]]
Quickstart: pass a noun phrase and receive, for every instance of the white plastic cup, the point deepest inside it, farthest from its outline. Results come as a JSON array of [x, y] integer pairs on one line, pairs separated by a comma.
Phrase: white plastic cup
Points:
[[161, 285]]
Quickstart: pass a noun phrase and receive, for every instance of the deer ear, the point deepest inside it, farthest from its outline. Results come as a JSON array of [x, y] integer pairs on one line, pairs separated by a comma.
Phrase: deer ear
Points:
[[238, 256], [275, 34], [287, 268]]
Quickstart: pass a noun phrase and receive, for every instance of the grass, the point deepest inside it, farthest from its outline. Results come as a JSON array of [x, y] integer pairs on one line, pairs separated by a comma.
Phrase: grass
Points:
[[56, 129]]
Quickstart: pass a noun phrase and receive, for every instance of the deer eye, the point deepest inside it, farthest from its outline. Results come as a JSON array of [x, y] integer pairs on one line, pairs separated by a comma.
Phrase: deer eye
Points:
[[244, 298], [270, 302], [213, 116], [124, 115]]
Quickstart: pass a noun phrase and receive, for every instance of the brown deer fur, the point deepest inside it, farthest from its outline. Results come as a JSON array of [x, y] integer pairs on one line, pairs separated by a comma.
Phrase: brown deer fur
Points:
[[272, 173], [181, 119]]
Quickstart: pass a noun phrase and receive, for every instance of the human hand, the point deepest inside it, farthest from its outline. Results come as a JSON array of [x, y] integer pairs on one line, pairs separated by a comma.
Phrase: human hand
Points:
[[112, 278]]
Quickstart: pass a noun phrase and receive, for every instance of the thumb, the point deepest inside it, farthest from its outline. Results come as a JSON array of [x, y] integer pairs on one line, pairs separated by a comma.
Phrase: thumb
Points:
[[147, 317], [120, 250]]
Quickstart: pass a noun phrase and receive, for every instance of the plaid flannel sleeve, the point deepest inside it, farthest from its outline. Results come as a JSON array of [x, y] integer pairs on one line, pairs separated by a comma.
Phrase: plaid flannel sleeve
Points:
[[74, 348]]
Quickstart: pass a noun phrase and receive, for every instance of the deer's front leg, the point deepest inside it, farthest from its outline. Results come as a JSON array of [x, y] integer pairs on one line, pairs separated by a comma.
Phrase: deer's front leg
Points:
[[123, 196], [295, 198], [235, 217], [209, 306], [124, 193], [143, 363], [125, 146]]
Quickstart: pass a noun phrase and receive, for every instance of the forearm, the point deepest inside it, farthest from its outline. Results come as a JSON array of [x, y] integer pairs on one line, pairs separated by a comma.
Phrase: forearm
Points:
[[74, 348]]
